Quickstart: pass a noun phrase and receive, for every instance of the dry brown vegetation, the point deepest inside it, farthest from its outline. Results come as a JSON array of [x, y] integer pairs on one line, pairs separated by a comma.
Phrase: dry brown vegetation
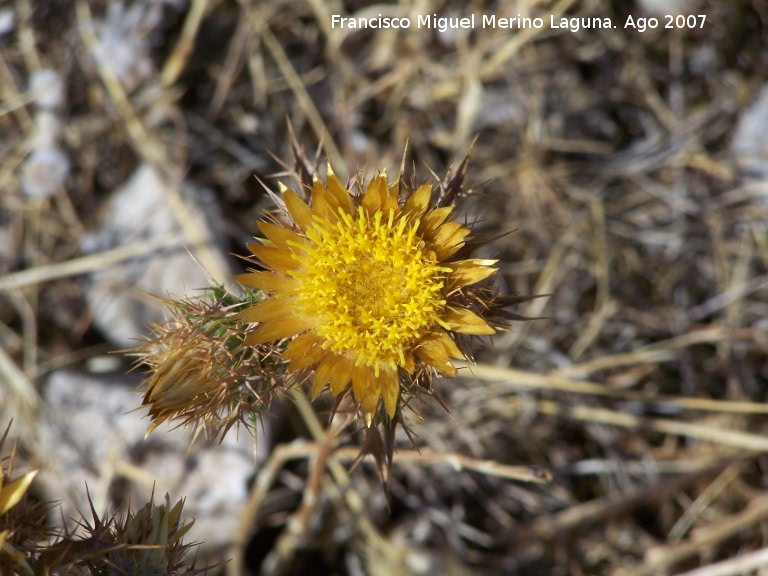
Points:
[[638, 210]]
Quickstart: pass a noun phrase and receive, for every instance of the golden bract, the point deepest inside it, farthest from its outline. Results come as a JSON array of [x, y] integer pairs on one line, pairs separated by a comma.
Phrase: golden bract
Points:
[[365, 287]]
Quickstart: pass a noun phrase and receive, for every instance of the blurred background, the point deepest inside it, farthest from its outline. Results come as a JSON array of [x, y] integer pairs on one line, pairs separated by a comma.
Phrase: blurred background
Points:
[[625, 173]]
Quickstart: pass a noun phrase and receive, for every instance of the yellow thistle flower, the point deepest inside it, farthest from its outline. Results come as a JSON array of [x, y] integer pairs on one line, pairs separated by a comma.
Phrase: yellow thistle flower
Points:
[[368, 287]]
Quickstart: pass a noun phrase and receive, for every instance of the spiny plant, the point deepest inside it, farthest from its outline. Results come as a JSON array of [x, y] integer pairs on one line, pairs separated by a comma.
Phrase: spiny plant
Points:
[[368, 289], [144, 543]]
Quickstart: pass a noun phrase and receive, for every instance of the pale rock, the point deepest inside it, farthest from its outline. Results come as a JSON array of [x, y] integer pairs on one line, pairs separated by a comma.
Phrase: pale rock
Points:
[[750, 140], [139, 210], [94, 436], [43, 171]]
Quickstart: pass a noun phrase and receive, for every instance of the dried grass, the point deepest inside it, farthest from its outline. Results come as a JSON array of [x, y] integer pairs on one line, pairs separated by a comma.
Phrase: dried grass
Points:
[[607, 151]]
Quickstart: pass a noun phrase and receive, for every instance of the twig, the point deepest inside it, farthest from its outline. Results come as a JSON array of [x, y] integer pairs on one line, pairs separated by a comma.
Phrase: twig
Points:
[[511, 379], [743, 564], [86, 264], [660, 560], [512, 46], [458, 462], [299, 525], [731, 295], [178, 58], [264, 480], [705, 432], [19, 383], [658, 352], [583, 515], [297, 86]]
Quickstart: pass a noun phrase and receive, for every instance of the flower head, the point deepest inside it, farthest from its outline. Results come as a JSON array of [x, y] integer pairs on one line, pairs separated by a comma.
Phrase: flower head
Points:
[[150, 540], [200, 373], [368, 286]]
